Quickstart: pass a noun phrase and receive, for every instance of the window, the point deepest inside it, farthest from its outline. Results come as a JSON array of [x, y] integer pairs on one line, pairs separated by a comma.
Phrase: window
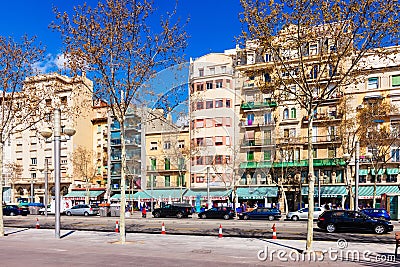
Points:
[[395, 80], [200, 105], [395, 155], [286, 114], [212, 71], [209, 85], [297, 154], [219, 141], [313, 49], [208, 160], [209, 104], [267, 155], [167, 180], [250, 119], [167, 164], [267, 77], [218, 84], [48, 102], [200, 179], [199, 124], [228, 103], [331, 152], [33, 161], [209, 123], [218, 159], [199, 87], [268, 58], [267, 137], [167, 145], [33, 175], [227, 159], [332, 71], [199, 161], [223, 69], [267, 118], [218, 122], [373, 83], [219, 103], [285, 133], [199, 141], [98, 128], [209, 141], [228, 122], [153, 164], [250, 155], [314, 72], [181, 144], [153, 146], [63, 100], [201, 72], [293, 113]]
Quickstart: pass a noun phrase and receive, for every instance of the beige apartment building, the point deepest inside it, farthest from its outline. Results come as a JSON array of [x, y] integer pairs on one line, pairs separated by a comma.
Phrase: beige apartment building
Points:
[[30, 150]]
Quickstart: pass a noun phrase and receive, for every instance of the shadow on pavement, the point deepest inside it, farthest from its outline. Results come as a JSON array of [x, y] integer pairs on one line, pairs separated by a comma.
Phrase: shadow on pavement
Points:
[[18, 231], [67, 234]]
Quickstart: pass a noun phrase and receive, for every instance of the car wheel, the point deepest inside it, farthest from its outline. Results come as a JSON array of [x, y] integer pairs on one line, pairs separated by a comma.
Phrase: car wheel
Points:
[[226, 216], [330, 228], [379, 229], [271, 218], [179, 215], [68, 213], [295, 218], [203, 216], [245, 217], [157, 215], [12, 213], [86, 213]]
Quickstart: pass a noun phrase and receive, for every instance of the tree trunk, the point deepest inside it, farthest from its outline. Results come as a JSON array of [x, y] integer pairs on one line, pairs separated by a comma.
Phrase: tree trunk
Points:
[[1, 190], [123, 183], [350, 186], [374, 194], [310, 221]]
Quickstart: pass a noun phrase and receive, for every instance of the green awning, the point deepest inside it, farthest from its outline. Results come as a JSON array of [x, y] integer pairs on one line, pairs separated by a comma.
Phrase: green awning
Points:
[[214, 194], [81, 194], [173, 194], [392, 171], [257, 192], [380, 171], [367, 192], [327, 191], [363, 172], [117, 197], [264, 164], [248, 165]]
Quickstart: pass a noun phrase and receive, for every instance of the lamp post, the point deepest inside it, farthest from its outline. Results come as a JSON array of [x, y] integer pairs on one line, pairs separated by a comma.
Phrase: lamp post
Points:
[[208, 187], [46, 171], [46, 133]]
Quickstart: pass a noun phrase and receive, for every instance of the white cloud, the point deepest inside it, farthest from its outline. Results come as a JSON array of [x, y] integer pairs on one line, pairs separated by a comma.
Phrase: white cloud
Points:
[[51, 63]]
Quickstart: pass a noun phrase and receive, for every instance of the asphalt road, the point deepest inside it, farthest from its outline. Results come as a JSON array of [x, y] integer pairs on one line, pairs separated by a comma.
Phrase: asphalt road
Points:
[[194, 226]]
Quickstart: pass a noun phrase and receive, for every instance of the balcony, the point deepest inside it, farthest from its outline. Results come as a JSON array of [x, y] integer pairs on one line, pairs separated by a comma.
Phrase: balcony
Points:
[[164, 168], [256, 143], [252, 124], [258, 105], [324, 118]]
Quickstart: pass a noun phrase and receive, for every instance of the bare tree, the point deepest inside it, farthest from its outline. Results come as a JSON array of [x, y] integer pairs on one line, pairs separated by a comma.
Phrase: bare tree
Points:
[[115, 44], [312, 50], [15, 171], [19, 104], [84, 168]]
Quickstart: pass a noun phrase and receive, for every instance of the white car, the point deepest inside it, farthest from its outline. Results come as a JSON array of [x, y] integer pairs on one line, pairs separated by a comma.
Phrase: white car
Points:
[[82, 209], [302, 214]]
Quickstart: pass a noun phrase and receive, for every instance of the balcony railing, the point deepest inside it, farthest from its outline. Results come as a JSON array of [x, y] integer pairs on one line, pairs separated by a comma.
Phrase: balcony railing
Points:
[[257, 142], [304, 140], [258, 105], [164, 168], [250, 124]]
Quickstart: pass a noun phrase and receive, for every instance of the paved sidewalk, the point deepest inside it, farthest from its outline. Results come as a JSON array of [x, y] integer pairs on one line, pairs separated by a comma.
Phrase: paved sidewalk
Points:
[[39, 247]]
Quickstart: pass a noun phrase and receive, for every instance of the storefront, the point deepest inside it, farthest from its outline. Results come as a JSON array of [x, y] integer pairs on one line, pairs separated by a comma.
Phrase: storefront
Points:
[[262, 196], [366, 193], [199, 198], [79, 196], [334, 195]]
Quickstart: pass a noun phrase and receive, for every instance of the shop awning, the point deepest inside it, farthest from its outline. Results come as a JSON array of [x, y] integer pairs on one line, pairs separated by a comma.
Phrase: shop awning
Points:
[[248, 165], [257, 192], [363, 172], [81, 194], [380, 171], [367, 192], [327, 191], [392, 171], [214, 194], [173, 194]]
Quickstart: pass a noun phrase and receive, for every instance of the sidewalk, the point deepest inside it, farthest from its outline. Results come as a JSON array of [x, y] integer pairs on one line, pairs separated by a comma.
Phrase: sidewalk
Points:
[[88, 248]]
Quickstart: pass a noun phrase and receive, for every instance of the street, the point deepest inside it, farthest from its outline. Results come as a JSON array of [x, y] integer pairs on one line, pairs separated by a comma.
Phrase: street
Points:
[[194, 226]]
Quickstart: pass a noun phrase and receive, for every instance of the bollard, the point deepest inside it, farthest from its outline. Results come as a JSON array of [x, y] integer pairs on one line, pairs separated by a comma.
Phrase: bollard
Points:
[[116, 227], [37, 223], [163, 229], [273, 232], [220, 231]]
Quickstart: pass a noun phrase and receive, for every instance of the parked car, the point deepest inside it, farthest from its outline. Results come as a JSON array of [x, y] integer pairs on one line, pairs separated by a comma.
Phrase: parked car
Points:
[[333, 220], [13, 210], [377, 213], [217, 213], [42, 210], [178, 210], [82, 209], [261, 213], [302, 214]]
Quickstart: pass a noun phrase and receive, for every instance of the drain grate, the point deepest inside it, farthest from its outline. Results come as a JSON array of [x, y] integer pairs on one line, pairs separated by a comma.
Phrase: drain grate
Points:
[[202, 251]]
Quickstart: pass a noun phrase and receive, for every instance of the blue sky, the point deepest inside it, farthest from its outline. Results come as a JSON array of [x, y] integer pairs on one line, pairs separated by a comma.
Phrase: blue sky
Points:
[[213, 23]]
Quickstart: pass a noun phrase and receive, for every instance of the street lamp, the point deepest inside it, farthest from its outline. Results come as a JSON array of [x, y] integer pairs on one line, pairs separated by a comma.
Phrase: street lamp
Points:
[[46, 171], [47, 133]]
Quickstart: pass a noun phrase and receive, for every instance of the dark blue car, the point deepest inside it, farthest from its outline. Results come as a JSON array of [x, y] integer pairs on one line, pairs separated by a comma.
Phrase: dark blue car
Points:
[[377, 213], [261, 213]]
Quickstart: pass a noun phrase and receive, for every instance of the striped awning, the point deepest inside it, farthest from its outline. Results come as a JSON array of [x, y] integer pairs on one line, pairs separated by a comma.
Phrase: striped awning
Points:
[[82, 194], [367, 192], [327, 191], [380, 171], [257, 192], [214, 194], [363, 172], [392, 171]]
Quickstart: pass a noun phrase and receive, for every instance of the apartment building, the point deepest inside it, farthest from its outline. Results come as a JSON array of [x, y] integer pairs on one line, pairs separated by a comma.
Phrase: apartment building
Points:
[[30, 150]]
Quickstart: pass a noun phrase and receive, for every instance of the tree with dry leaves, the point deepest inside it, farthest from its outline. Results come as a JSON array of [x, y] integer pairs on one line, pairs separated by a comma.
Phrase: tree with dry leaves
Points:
[[84, 168], [115, 44], [312, 50], [20, 105]]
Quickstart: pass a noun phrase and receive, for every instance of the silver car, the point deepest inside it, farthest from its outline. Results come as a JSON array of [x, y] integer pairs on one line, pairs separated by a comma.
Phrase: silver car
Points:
[[302, 214], [82, 209]]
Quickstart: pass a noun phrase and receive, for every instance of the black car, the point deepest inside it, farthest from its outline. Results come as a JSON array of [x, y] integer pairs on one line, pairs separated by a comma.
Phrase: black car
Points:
[[333, 220], [261, 213], [217, 213], [178, 210], [12, 210]]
